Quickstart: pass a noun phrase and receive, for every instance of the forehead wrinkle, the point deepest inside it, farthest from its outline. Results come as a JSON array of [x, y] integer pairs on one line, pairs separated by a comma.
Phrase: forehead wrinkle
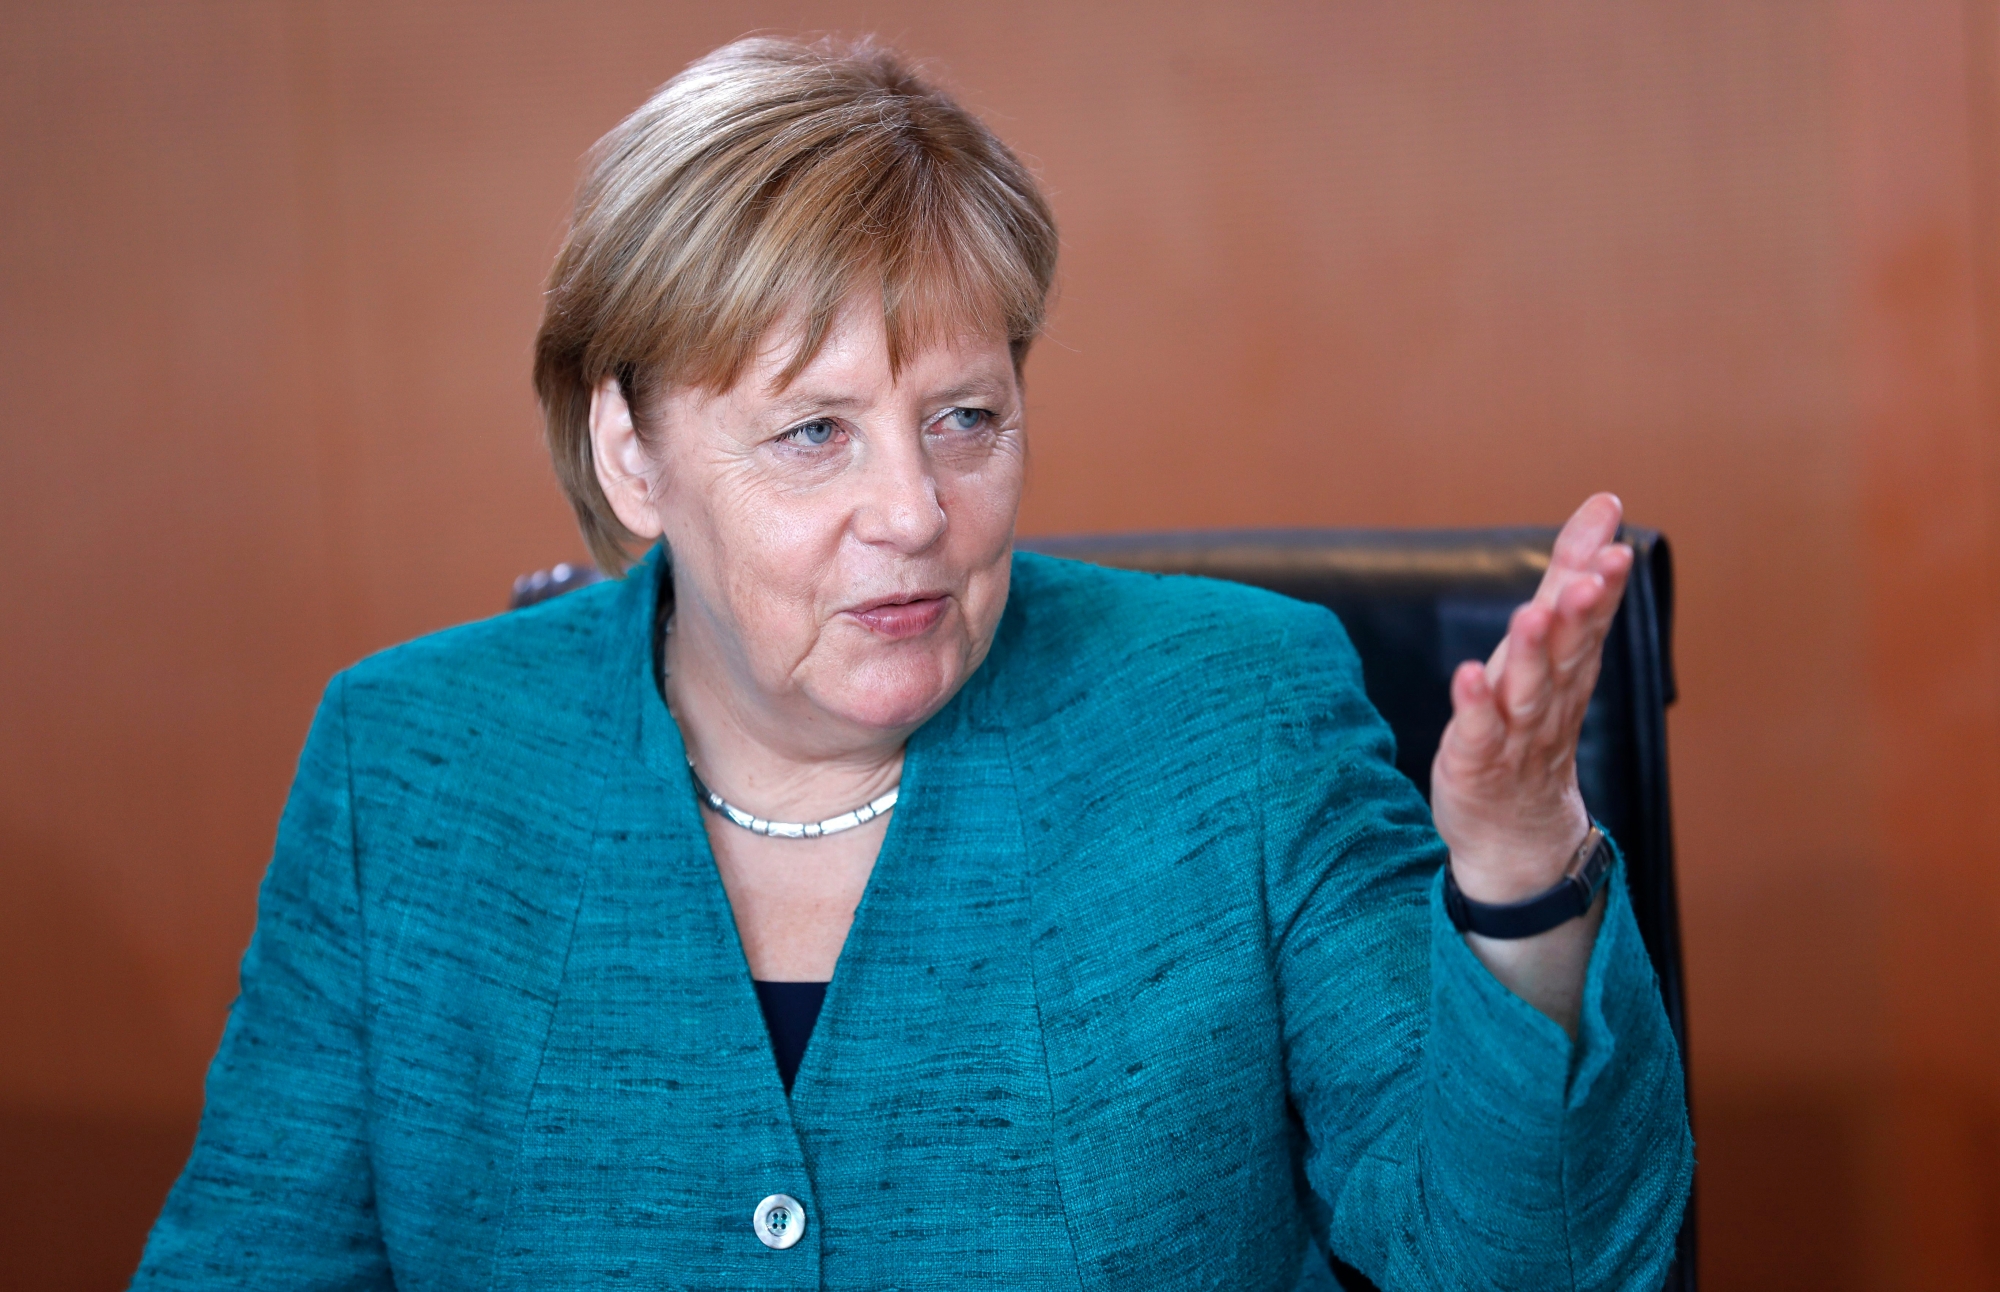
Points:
[[831, 381], [845, 360]]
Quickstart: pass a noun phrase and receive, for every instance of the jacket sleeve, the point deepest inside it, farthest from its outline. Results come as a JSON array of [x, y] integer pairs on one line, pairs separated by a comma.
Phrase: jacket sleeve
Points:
[[1455, 1135], [277, 1193]]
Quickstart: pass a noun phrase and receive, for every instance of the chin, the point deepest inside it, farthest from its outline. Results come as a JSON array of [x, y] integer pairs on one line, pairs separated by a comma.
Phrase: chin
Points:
[[895, 693]]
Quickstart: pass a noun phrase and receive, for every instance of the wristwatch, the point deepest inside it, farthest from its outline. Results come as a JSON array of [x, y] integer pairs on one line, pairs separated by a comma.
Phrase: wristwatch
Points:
[[1571, 896]]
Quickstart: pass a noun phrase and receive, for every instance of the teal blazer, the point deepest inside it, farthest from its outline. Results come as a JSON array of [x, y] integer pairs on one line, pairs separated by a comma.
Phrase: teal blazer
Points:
[[1151, 988]]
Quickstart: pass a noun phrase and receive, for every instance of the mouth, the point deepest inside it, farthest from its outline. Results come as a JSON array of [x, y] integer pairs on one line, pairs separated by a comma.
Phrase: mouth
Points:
[[901, 616]]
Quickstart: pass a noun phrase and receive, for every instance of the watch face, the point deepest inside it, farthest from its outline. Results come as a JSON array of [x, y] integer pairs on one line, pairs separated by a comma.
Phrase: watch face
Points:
[[1599, 863]]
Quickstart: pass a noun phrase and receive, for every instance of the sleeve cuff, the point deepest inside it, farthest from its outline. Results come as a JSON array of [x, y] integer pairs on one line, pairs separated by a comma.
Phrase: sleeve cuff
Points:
[[1538, 1127], [1483, 1026]]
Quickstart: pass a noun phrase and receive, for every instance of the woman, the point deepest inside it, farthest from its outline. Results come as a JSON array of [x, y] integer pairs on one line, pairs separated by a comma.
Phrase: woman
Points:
[[1136, 962]]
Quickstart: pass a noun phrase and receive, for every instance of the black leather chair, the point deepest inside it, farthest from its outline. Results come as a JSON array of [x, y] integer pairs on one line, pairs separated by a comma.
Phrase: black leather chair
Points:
[[553, 582], [1416, 603]]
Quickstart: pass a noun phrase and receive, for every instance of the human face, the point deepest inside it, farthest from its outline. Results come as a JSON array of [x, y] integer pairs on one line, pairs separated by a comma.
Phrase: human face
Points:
[[840, 544]]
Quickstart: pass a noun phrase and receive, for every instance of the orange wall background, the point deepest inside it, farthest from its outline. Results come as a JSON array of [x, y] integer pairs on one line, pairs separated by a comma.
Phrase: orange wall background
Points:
[[269, 275]]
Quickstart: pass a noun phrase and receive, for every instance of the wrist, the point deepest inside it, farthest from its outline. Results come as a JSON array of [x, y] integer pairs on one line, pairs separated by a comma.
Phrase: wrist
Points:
[[1573, 894], [1509, 865]]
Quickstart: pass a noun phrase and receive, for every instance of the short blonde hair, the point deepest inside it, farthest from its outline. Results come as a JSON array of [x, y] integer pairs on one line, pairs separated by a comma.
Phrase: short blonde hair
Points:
[[770, 176]]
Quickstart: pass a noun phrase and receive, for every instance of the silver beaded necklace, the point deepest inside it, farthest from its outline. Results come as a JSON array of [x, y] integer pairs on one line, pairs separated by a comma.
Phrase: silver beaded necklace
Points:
[[794, 829], [877, 806]]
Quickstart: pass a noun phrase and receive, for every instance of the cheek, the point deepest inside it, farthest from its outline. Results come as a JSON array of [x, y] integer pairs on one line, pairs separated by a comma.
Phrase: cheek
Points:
[[983, 508], [983, 503], [761, 558], [779, 557]]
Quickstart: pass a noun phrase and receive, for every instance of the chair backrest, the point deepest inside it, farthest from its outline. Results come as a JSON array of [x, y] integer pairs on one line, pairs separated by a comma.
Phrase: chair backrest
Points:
[[1418, 602], [552, 582]]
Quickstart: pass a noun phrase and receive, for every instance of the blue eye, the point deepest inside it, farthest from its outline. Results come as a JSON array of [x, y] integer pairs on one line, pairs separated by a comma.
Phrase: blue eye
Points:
[[816, 432], [966, 419]]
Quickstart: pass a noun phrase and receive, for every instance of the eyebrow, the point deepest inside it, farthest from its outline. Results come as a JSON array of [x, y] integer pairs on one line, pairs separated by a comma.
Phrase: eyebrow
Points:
[[798, 402], [976, 386]]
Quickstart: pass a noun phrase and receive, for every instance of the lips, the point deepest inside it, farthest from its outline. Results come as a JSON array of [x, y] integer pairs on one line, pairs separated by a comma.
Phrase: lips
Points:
[[898, 617]]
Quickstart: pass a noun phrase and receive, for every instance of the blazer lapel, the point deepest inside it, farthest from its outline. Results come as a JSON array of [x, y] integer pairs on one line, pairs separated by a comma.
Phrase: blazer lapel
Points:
[[657, 1121]]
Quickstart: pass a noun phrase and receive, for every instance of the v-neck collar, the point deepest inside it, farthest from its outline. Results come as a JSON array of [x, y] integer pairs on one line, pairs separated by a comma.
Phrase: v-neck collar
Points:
[[664, 752], [657, 1090]]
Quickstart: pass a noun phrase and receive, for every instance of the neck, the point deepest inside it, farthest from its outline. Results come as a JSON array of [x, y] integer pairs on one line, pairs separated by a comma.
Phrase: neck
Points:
[[787, 761]]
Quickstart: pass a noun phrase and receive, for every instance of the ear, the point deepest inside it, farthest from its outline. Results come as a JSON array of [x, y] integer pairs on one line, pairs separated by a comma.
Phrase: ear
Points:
[[624, 467]]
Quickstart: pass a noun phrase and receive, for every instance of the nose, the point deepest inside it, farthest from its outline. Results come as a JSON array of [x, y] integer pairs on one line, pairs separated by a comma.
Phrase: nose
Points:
[[900, 508]]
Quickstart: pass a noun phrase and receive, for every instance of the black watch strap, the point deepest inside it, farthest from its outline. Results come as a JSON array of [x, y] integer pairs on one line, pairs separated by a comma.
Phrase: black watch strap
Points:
[[1571, 897]]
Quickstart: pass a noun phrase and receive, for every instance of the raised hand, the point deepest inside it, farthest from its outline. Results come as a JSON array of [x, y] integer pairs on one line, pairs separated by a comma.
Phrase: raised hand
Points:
[[1503, 788]]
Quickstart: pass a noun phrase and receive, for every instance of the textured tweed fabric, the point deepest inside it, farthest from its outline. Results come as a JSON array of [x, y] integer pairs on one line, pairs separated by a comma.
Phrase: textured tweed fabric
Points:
[[1151, 989]]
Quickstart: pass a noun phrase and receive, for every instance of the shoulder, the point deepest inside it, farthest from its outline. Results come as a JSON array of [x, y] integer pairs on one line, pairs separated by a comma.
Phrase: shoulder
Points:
[[1102, 627], [1097, 615], [542, 666]]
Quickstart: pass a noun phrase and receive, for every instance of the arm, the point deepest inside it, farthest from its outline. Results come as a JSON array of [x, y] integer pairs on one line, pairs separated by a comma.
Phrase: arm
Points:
[[1457, 1135], [277, 1193]]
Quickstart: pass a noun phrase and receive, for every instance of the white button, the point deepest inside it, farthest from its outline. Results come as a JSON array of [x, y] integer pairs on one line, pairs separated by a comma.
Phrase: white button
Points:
[[780, 1221]]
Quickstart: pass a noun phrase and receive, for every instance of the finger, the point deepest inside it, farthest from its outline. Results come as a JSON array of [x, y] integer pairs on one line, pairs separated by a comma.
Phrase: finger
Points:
[[1586, 606], [1524, 688], [1576, 627], [1614, 566], [1588, 529], [1477, 728], [1591, 528], [1496, 663], [1582, 621]]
